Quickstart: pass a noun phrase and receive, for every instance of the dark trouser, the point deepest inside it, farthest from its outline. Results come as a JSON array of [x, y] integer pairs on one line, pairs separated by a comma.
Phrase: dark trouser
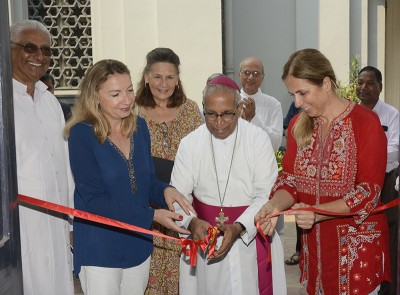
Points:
[[388, 194], [299, 231]]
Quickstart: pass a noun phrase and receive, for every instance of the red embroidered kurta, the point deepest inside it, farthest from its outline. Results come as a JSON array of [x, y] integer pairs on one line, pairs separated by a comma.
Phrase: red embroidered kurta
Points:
[[341, 255]]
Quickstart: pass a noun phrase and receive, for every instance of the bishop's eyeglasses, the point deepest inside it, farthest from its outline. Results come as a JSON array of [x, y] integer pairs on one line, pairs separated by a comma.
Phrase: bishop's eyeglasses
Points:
[[212, 116], [33, 48]]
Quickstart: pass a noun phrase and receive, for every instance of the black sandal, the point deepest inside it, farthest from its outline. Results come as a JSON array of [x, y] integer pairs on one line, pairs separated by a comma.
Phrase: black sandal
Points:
[[292, 260]]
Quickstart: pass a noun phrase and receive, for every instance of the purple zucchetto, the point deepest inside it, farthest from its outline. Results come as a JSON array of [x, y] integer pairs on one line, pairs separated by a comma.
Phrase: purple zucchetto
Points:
[[224, 80]]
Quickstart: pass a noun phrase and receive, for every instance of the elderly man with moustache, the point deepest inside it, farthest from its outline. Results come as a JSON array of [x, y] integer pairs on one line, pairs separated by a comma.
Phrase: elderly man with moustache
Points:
[[43, 168], [259, 108], [226, 168]]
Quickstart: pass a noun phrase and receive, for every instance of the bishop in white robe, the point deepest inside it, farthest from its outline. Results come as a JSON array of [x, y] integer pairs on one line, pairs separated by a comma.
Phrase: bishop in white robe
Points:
[[242, 157]]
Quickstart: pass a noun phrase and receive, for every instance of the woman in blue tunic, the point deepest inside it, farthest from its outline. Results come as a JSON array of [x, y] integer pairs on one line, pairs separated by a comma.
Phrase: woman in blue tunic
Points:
[[114, 177]]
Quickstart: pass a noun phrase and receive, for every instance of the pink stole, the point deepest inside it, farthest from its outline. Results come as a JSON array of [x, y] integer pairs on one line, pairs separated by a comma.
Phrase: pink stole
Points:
[[208, 213]]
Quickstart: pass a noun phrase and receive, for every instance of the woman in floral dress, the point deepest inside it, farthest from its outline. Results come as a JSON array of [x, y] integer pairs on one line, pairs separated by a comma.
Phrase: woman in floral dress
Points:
[[170, 116]]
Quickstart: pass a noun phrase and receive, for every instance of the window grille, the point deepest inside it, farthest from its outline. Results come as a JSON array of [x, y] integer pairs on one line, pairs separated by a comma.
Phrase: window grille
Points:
[[69, 23]]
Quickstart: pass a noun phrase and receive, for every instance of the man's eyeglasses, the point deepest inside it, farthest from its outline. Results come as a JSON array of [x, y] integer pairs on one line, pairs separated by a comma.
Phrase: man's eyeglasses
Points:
[[228, 116], [255, 74], [33, 48], [166, 142]]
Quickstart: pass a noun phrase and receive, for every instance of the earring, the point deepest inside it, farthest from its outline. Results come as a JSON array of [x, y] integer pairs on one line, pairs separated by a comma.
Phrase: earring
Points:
[[146, 84]]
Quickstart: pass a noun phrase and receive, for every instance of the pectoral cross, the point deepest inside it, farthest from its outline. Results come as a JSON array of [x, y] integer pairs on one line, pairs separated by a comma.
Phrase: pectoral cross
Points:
[[221, 219]]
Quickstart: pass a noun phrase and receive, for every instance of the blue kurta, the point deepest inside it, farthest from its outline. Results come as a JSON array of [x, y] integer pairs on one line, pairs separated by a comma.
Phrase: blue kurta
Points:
[[103, 187]]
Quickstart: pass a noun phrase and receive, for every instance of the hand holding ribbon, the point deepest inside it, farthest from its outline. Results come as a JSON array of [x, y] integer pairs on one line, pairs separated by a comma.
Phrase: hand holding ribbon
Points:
[[263, 220], [115, 223]]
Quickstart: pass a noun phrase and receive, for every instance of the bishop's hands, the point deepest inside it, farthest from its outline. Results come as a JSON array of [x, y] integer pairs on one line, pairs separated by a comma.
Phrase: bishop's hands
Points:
[[198, 228], [247, 109], [231, 233], [265, 222], [199, 231]]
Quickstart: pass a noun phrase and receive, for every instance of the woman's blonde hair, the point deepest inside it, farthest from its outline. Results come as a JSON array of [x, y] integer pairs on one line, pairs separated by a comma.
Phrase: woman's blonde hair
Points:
[[311, 65], [87, 107]]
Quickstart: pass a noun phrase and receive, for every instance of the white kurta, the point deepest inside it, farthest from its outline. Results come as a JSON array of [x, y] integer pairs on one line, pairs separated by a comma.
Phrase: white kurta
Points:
[[268, 116], [389, 117], [254, 171], [43, 172]]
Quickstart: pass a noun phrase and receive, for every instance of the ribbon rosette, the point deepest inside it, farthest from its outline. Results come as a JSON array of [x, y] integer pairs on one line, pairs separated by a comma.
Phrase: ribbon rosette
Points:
[[211, 240]]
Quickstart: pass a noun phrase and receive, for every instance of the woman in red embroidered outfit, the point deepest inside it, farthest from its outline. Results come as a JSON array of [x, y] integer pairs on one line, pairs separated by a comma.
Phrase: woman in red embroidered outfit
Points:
[[335, 161]]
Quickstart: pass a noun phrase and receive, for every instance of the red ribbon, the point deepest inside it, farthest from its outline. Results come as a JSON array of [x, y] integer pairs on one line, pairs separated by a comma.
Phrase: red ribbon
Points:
[[115, 223], [211, 240], [393, 203], [193, 249]]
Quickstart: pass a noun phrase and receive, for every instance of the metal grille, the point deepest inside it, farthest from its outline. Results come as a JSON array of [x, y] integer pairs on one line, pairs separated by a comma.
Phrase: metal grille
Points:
[[69, 24]]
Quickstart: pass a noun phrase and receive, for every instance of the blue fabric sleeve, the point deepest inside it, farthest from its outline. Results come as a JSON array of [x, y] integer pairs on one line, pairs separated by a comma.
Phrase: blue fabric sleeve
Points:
[[91, 193]]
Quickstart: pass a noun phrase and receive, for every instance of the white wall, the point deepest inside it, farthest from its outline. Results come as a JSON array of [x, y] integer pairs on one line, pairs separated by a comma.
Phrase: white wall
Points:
[[128, 29], [272, 30], [335, 44], [340, 29], [265, 29]]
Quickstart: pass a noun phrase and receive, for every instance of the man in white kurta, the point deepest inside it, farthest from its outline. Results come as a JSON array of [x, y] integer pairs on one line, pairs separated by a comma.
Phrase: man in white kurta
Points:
[[42, 167], [253, 172], [260, 109]]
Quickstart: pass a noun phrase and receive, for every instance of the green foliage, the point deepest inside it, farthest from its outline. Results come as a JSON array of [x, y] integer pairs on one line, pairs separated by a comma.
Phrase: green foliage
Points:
[[349, 90], [279, 157]]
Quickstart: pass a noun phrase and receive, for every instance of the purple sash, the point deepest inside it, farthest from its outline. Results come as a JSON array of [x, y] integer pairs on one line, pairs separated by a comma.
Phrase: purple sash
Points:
[[208, 213]]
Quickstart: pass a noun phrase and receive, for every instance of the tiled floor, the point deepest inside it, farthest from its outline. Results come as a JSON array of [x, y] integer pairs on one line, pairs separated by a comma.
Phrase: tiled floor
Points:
[[78, 289], [292, 271]]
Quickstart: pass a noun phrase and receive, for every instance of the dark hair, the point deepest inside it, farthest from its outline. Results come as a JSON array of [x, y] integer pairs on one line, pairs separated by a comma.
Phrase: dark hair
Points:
[[378, 74], [144, 97], [47, 77]]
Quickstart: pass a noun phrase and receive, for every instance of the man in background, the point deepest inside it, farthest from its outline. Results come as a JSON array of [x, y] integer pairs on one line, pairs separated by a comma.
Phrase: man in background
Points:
[[257, 107], [368, 89], [261, 109], [49, 81], [43, 170]]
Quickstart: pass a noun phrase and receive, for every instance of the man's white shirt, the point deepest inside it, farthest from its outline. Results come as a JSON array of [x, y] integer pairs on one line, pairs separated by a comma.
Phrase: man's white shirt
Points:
[[268, 116]]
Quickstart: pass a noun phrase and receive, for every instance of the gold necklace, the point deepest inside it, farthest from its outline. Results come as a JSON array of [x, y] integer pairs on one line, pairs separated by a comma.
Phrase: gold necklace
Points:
[[221, 219]]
